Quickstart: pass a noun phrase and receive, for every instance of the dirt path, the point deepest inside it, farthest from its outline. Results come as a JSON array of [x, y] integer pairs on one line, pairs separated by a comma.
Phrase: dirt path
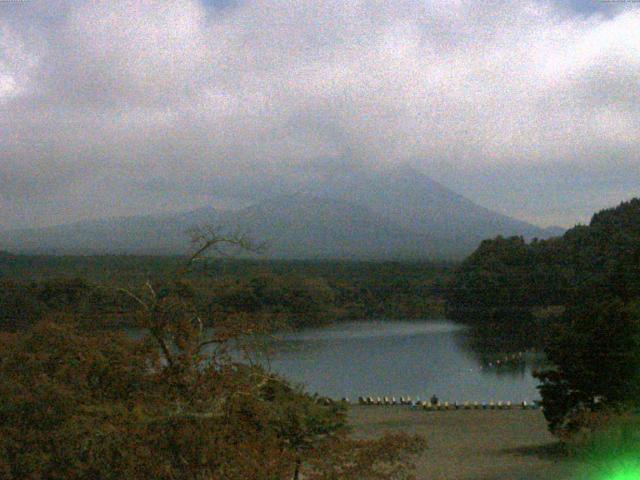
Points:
[[473, 445]]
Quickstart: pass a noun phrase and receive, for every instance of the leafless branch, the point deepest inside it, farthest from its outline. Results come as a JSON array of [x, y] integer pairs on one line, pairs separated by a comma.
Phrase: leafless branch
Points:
[[208, 238], [135, 297], [165, 349], [209, 342], [150, 287]]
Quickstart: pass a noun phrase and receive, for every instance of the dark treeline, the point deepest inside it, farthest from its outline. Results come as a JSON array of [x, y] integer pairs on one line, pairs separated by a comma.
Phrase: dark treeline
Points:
[[517, 288], [578, 296], [299, 293], [510, 290]]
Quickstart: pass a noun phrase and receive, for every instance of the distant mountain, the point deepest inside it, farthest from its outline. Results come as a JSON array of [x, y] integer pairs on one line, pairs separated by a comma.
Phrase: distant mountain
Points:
[[553, 231], [424, 206], [304, 226], [162, 234], [393, 213]]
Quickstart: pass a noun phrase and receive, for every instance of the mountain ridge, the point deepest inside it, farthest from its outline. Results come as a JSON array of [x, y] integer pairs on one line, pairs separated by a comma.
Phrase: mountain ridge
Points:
[[384, 214]]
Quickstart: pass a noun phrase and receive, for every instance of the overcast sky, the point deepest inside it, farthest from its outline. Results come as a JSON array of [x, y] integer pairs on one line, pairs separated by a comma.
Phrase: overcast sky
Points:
[[531, 108]]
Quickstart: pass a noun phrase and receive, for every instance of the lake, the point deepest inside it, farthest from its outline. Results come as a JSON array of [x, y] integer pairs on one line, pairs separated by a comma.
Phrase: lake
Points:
[[396, 358], [399, 358]]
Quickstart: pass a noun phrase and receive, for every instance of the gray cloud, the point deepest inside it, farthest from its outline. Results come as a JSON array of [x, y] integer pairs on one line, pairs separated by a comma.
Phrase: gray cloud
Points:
[[125, 107]]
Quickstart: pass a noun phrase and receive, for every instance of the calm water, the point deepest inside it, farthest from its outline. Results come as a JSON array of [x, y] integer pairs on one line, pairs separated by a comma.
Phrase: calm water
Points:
[[416, 358], [395, 358]]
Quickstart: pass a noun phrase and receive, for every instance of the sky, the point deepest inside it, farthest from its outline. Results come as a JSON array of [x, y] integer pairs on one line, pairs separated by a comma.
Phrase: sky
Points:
[[531, 108]]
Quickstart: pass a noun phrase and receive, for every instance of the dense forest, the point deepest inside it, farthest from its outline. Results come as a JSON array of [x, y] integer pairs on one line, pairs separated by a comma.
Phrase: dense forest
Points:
[[296, 293], [576, 296], [519, 289], [510, 291]]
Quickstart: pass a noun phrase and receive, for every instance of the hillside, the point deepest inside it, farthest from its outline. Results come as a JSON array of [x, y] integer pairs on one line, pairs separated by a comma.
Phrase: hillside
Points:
[[422, 205], [521, 288], [392, 213]]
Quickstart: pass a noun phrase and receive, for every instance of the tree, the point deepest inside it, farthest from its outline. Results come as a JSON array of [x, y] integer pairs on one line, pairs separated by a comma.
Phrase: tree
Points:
[[595, 348], [501, 288], [595, 355], [587, 285], [77, 403]]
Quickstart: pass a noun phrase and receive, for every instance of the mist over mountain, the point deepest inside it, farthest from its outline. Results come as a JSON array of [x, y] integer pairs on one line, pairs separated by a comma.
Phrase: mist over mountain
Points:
[[331, 213], [420, 204]]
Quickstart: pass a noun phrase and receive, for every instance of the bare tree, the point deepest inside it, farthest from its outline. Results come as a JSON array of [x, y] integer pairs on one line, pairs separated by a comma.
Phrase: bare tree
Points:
[[171, 318], [207, 239]]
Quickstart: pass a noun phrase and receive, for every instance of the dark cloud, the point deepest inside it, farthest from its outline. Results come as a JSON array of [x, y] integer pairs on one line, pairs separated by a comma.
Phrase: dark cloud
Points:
[[125, 107]]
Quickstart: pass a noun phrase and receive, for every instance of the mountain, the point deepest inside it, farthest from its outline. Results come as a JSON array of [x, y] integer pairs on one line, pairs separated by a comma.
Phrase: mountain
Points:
[[422, 205], [392, 213], [148, 234], [305, 226]]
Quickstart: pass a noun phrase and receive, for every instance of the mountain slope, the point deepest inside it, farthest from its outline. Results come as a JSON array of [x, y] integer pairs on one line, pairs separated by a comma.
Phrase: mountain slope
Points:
[[304, 226], [292, 226], [163, 234], [393, 213], [421, 204]]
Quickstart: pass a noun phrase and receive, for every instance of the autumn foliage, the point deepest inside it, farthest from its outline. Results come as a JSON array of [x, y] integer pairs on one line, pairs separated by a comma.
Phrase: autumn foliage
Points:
[[80, 403]]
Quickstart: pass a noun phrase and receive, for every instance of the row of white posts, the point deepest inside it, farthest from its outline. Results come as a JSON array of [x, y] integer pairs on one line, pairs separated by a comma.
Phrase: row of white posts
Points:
[[425, 405]]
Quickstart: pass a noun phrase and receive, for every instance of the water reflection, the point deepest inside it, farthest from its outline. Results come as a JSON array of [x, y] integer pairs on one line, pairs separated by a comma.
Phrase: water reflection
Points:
[[499, 356]]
